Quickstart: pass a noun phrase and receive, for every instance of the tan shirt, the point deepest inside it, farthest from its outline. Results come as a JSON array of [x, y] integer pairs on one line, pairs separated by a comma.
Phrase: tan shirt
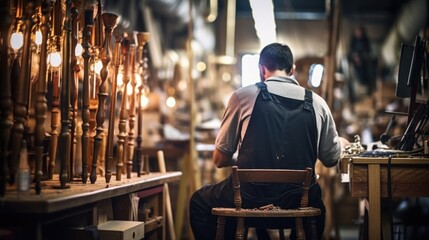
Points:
[[240, 106]]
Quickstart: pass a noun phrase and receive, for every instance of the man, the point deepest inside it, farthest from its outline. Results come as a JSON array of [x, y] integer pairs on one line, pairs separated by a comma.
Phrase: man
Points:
[[273, 124]]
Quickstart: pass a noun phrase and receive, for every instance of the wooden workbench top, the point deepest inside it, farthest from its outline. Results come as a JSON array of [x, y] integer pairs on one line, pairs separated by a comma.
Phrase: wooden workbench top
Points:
[[54, 199]]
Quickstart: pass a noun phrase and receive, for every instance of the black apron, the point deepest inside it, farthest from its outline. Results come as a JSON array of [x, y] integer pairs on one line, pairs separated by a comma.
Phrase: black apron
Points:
[[282, 133]]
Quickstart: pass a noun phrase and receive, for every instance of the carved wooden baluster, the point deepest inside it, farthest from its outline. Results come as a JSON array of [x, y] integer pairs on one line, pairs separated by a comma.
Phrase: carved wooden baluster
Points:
[[5, 97], [123, 112], [55, 112], [96, 42], [41, 90], [131, 112], [113, 96], [74, 88], [65, 138], [142, 39], [86, 34], [20, 108], [93, 102], [110, 21], [55, 122]]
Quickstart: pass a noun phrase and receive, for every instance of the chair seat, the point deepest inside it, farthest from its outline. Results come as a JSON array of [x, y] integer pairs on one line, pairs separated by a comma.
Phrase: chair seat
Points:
[[272, 214], [299, 212]]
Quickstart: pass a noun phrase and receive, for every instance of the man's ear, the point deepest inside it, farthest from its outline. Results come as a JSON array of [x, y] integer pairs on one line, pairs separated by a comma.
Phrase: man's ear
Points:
[[292, 70]]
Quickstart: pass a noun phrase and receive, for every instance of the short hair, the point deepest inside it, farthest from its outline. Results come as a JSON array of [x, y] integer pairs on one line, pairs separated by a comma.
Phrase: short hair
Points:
[[276, 56]]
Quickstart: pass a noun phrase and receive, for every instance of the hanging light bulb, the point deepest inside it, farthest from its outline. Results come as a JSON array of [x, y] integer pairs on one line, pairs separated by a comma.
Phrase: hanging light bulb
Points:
[[129, 89], [138, 79], [144, 101], [119, 80], [16, 40], [171, 102], [98, 66], [54, 59], [78, 50], [39, 38]]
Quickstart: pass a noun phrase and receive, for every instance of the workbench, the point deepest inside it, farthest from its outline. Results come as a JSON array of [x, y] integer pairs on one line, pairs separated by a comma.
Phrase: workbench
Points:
[[61, 213], [368, 178]]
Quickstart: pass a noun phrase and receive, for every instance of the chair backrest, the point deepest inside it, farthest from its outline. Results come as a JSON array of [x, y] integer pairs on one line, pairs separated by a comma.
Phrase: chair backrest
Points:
[[287, 176]]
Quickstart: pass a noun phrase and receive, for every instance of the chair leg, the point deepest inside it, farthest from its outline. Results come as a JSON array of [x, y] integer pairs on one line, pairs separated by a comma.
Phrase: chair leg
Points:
[[313, 229], [239, 235], [282, 234], [220, 231], [300, 235]]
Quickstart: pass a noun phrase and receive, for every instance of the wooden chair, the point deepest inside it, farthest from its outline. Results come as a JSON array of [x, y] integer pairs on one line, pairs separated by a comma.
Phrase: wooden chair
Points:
[[286, 176]]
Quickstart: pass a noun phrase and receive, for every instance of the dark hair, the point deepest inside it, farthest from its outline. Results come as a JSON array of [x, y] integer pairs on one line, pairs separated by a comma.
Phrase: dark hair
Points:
[[276, 56]]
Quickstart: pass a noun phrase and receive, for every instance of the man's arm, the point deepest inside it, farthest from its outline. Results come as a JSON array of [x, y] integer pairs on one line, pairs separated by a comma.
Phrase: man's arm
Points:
[[222, 159]]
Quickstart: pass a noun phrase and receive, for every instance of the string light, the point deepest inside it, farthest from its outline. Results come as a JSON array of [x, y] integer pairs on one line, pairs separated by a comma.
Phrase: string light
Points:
[[16, 40], [39, 38], [78, 50], [98, 66], [170, 102], [119, 80], [54, 59], [144, 101]]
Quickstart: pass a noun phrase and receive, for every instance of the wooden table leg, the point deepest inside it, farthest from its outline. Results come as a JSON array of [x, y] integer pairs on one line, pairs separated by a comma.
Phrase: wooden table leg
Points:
[[374, 195]]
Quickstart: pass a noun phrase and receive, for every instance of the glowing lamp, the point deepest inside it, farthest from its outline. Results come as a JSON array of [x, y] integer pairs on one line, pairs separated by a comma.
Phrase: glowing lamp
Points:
[[98, 66], [39, 37], [78, 50], [144, 101], [16, 40], [171, 102], [55, 59]]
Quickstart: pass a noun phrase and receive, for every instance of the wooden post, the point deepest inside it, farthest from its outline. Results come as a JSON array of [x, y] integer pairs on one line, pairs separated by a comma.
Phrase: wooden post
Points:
[[65, 138], [113, 96], [5, 97], [41, 90], [86, 34], [73, 89], [96, 40], [167, 201], [20, 109], [123, 113], [110, 21], [131, 113], [330, 62], [142, 39]]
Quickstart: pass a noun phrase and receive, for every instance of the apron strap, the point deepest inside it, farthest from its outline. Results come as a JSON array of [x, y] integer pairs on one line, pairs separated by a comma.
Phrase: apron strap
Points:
[[308, 105], [266, 96]]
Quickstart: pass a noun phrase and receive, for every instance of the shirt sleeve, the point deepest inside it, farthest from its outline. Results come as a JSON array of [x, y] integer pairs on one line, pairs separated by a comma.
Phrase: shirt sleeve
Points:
[[229, 132], [329, 145]]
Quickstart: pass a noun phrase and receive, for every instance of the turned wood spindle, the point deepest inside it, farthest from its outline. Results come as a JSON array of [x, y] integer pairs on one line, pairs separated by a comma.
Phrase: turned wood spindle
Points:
[[65, 137], [96, 43], [122, 125], [20, 108], [110, 21], [93, 102], [5, 97], [54, 71], [113, 96], [131, 112], [41, 91], [142, 39], [74, 89], [55, 121], [86, 34]]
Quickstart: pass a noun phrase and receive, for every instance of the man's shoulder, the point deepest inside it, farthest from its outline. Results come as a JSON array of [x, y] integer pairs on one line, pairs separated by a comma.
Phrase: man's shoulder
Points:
[[247, 91]]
